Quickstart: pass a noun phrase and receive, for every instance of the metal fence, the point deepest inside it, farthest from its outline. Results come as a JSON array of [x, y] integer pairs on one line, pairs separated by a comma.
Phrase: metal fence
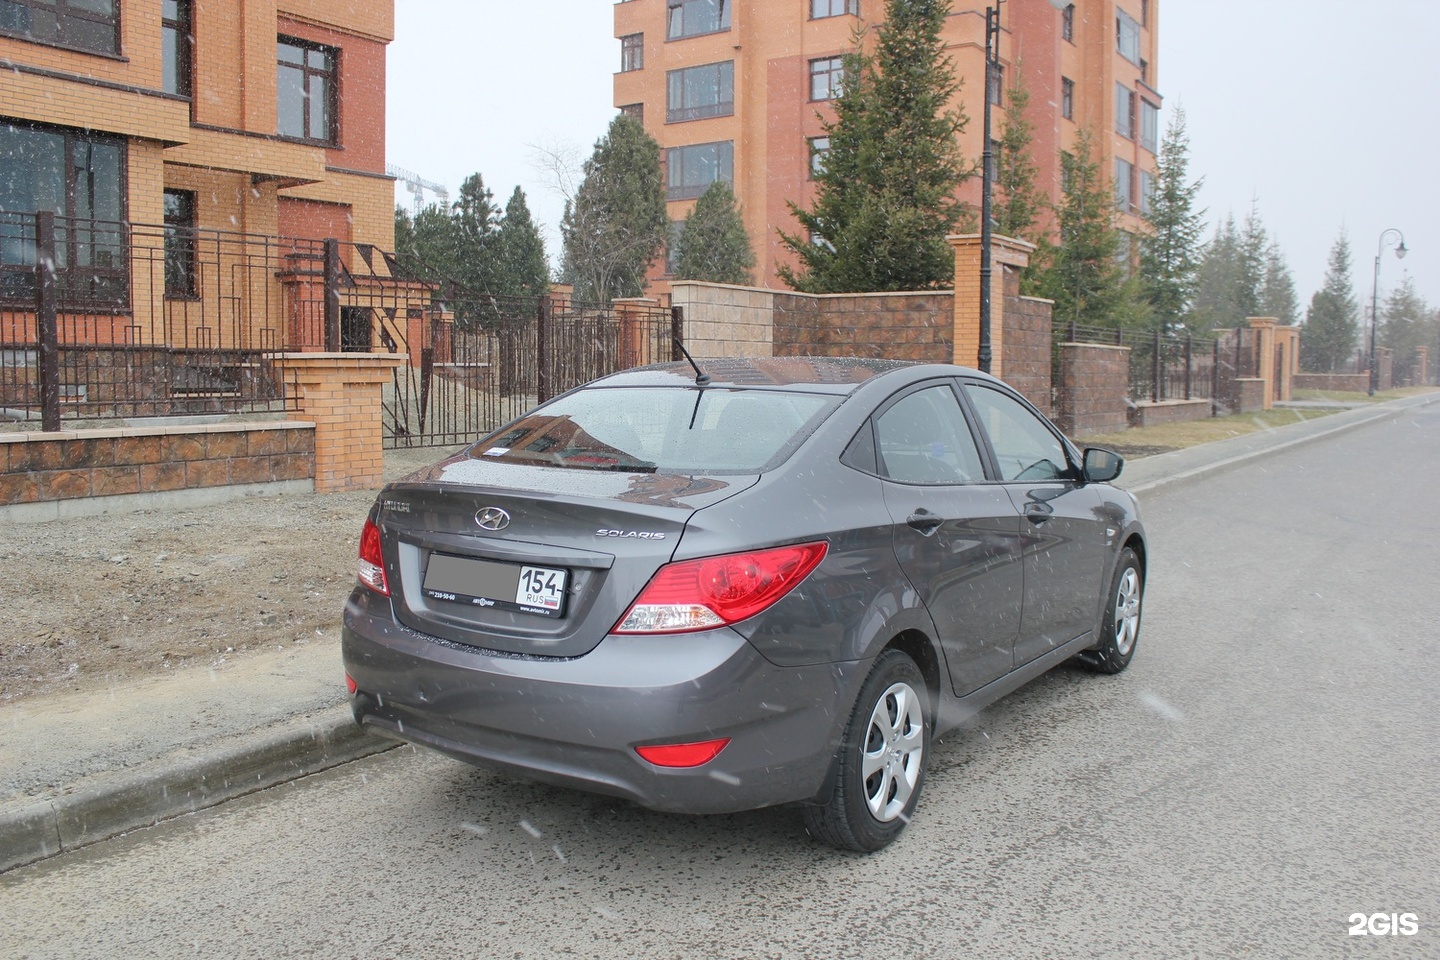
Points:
[[106, 320], [1165, 366]]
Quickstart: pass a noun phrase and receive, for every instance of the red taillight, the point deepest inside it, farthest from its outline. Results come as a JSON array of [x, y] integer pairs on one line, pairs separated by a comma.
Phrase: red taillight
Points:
[[701, 594], [351, 687], [683, 754], [372, 561]]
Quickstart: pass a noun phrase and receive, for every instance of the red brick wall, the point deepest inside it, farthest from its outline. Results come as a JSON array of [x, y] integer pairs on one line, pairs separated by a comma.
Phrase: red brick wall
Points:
[[1027, 364], [36, 468], [903, 326], [1092, 388]]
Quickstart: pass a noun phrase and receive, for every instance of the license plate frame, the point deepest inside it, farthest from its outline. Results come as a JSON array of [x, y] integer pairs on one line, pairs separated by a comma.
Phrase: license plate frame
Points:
[[496, 584]]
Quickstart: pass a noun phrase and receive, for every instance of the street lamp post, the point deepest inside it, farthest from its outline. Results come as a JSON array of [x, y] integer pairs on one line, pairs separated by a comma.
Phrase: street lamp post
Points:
[[1400, 251], [987, 161]]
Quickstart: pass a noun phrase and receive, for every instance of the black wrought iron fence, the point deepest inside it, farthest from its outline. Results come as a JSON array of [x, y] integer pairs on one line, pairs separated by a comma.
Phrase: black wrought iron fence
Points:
[[1162, 366]]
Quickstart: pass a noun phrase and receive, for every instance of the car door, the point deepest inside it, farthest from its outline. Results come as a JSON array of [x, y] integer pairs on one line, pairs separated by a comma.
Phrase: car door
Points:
[[957, 537], [1061, 520]]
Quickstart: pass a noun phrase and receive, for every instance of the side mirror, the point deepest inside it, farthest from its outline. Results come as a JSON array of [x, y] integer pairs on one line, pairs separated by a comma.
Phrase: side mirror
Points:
[[1101, 465]]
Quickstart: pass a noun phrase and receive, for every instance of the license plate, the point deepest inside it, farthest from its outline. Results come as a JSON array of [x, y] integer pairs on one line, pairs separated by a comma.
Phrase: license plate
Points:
[[488, 583]]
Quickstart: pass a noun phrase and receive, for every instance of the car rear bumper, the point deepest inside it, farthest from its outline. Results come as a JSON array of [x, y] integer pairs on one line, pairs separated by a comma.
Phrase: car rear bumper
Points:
[[576, 722]]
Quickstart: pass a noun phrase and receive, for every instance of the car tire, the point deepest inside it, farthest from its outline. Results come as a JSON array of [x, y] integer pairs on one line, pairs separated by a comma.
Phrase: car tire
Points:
[[881, 761], [1120, 628]]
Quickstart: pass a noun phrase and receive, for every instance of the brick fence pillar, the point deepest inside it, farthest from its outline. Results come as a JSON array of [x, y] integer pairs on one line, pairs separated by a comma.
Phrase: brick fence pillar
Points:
[[1004, 252], [341, 394]]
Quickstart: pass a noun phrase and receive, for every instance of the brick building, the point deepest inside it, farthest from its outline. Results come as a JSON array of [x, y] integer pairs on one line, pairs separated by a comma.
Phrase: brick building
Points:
[[738, 89], [193, 124]]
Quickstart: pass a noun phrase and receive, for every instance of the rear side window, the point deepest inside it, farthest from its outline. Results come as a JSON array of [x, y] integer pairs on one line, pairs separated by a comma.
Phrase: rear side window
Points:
[[659, 429], [923, 438], [1024, 446]]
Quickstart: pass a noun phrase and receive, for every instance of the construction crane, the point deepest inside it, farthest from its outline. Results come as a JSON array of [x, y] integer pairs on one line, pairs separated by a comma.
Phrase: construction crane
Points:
[[417, 185]]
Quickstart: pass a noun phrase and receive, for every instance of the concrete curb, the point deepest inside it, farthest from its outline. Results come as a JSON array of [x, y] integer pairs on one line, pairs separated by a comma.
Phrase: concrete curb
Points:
[[1361, 417], [108, 805]]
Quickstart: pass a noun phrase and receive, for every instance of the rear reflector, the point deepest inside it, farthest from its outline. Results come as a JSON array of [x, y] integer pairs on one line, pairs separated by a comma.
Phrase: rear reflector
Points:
[[683, 754], [714, 591], [351, 686], [371, 570]]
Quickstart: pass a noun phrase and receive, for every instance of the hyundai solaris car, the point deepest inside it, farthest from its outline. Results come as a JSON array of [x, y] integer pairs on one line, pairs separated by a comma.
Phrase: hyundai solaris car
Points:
[[725, 585]]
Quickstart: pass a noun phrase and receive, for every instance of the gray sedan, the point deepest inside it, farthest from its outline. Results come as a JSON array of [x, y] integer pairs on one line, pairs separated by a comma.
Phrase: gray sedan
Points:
[[750, 582]]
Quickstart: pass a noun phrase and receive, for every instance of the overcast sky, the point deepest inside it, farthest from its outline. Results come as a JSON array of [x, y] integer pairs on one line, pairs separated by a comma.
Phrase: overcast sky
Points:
[[1321, 112]]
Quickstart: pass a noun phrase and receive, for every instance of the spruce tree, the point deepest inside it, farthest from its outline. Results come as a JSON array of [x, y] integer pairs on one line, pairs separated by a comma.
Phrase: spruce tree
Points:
[[713, 244], [617, 224], [477, 228], [1169, 258], [885, 200], [1403, 326], [1331, 324], [1277, 289], [524, 271], [1017, 204], [1081, 273]]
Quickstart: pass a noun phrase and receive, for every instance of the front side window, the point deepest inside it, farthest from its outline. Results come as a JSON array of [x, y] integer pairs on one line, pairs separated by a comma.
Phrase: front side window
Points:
[[79, 177], [1124, 111], [1124, 183], [1127, 37], [820, 9], [659, 430], [1025, 448], [690, 18], [306, 93], [632, 52], [90, 25], [180, 243], [698, 92], [924, 438], [1149, 125], [826, 77], [176, 44], [1067, 98], [689, 171]]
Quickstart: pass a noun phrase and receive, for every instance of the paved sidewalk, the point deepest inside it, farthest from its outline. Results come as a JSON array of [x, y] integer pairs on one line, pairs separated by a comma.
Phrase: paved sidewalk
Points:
[[80, 768]]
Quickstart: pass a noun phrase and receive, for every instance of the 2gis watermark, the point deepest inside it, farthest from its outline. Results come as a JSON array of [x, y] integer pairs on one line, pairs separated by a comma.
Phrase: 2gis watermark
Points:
[[1383, 924]]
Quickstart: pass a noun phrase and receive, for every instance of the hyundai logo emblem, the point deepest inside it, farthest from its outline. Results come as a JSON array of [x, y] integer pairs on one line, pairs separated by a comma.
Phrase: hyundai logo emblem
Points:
[[492, 518]]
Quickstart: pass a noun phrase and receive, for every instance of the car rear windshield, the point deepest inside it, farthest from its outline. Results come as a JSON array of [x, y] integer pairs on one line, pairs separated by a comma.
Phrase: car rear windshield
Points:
[[644, 429]]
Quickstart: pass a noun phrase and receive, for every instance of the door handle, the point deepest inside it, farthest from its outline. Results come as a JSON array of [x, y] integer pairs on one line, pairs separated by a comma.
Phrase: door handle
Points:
[[925, 521]]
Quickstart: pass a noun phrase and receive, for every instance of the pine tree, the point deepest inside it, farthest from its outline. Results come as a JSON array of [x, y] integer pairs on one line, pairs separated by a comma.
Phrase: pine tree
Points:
[[1328, 340], [617, 224], [1277, 289], [1081, 273], [713, 244], [426, 245], [524, 271], [1403, 326], [476, 236], [1018, 203], [1169, 258], [885, 200]]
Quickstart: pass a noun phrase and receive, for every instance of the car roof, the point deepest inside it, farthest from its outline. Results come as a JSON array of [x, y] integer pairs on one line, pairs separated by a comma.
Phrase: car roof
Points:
[[838, 375]]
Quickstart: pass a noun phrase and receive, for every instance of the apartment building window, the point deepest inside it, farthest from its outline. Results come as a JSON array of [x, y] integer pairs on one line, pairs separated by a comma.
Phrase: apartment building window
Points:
[[819, 9], [695, 93], [80, 177], [690, 170], [691, 18], [1067, 98], [995, 84], [1124, 184], [1127, 37], [819, 147], [176, 45], [306, 93], [1067, 23], [1124, 111], [89, 25], [827, 75], [1147, 192], [635, 111], [180, 243], [632, 52], [1149, 125]]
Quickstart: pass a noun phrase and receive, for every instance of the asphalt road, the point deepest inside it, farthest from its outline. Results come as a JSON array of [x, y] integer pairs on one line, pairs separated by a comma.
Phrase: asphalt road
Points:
[[1268, 768]]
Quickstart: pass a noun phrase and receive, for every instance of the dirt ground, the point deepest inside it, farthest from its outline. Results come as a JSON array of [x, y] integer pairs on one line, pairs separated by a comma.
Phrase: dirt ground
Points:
[[90, 603]]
